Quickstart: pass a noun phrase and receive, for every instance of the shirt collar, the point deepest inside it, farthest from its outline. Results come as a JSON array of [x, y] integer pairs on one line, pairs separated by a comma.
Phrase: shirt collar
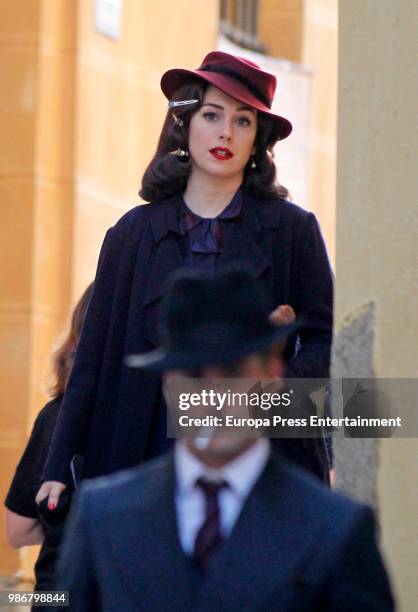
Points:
[[190, 219], [241, 474]]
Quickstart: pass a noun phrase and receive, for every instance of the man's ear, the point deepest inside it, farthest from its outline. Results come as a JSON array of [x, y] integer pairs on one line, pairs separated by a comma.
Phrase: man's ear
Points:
[[275, 363], [169, 375]]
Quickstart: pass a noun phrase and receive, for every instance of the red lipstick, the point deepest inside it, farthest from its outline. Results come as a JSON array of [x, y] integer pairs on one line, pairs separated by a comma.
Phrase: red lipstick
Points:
[[221, 153]]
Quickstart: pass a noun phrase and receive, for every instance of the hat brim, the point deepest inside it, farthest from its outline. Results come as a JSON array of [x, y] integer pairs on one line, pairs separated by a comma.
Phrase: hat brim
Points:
[[161, 360], [175, 78]]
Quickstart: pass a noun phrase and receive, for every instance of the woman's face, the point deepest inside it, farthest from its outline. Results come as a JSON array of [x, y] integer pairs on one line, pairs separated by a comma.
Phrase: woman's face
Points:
[[221, 135]]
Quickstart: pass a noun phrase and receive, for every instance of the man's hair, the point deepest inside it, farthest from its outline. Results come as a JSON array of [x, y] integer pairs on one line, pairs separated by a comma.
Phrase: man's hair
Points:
[[233, 370], [166, 175]]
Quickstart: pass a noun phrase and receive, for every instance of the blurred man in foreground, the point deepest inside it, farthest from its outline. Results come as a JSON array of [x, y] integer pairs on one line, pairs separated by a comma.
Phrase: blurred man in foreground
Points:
[[222, 523]]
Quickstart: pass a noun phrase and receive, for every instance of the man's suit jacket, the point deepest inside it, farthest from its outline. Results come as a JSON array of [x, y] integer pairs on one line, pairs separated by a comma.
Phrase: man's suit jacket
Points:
[[108, 409], [295, 547]]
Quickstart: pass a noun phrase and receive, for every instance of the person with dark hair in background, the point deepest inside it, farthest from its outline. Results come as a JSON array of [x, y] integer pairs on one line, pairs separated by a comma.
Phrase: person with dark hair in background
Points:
[[214, 201], [27, 523], [224, 522]]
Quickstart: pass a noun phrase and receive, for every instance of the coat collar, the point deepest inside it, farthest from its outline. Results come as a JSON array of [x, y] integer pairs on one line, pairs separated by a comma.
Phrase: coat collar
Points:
[[164, 217], [259, 213]]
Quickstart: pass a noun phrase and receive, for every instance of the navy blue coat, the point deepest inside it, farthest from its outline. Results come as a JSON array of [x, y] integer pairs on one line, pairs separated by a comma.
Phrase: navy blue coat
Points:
[[296, 546], [107, 412]]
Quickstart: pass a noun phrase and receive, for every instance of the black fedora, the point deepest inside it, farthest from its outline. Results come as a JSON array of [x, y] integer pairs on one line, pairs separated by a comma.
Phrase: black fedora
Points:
[[212, 321]]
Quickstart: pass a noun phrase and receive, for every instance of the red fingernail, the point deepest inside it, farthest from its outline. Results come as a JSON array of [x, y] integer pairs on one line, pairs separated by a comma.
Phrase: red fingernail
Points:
[[51, 506]]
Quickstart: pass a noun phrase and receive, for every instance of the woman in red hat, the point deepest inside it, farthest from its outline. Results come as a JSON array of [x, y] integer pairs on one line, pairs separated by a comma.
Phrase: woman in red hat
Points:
[[214, 202]]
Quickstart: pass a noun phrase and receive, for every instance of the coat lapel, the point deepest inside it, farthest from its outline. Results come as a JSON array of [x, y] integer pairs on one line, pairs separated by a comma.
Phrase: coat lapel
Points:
[[267, 548], [242, 239], [144, 545], [167, 255]]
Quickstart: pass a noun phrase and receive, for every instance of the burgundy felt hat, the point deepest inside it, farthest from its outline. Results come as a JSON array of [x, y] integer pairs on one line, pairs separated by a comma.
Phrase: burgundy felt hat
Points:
[[238, 77]]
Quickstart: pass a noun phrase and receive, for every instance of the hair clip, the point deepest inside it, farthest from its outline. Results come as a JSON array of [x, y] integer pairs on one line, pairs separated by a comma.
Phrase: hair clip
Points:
[[182, 103], [177, 121]]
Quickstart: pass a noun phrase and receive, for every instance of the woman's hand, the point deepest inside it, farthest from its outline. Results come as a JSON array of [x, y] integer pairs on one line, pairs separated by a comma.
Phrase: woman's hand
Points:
[[282, 315], [23, 530], [51, 489]]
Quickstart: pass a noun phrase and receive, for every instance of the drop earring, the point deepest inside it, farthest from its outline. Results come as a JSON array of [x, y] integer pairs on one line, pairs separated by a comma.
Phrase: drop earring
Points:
[[183, 155], [253, 164]]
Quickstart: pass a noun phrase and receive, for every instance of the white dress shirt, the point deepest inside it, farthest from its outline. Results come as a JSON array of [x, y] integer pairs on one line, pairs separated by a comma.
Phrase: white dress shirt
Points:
[[241, 475]]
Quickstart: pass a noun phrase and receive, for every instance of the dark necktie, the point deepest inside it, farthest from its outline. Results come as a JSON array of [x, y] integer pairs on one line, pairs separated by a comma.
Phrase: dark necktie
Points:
[[209, 536]]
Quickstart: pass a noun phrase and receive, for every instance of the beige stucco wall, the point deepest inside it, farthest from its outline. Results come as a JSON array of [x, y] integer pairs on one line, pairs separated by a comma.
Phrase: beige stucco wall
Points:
[[320, 53], [36, 167], [280, 27], [377, 237], [305, 35]]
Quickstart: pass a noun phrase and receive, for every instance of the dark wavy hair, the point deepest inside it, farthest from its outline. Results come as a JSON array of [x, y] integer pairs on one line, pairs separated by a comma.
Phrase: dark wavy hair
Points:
[[166, 175]]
